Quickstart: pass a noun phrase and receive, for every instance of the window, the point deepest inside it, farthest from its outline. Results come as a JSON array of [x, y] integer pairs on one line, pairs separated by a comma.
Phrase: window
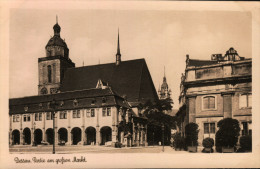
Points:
[[209, 128], [88, 113], [49, 73], [246, 128], [76, 113], [104, 100], [108, 111], [93, 101], [38, 116], [209, 102], [75, 103], [26, 117], [16, 118], [245, 100], [92, 112], [49, 116], [63, 115], [104, 111]]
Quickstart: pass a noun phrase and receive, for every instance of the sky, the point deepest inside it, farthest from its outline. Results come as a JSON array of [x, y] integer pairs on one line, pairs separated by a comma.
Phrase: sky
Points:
[[161, 37]]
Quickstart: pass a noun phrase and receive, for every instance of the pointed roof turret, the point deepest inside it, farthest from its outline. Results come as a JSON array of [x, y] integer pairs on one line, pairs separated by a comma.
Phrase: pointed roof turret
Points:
[[56, 28]]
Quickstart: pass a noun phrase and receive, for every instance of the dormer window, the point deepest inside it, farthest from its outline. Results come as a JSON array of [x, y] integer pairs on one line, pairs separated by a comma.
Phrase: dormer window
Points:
[[75, 103], [93, 101], [61, 103], [104, 99]]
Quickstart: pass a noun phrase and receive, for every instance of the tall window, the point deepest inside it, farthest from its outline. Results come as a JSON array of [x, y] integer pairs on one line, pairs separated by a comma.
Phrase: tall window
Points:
[[63, 115], [76, 113], [92, 112], [108, 111], [246, 130], [16, 118], [49, 116], [49, 73], [26, 117], [104, 111], [209, 102], [38, 116], [88, 113], [209, 128], [245, 100]]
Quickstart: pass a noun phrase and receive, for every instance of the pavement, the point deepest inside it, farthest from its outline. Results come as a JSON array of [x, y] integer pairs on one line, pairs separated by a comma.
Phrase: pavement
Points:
[[75, 149]]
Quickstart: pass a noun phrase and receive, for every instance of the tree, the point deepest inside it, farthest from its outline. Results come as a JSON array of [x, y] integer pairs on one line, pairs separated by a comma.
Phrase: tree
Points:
[[153, 111], [191, 134], [228, 133]]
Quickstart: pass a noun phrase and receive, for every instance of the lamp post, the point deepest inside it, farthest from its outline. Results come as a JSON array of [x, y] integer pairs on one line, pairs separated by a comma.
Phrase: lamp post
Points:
[[163, 136], [53, 107]]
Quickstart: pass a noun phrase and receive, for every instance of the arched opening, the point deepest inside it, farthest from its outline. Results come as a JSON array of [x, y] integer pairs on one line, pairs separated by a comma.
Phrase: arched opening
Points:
[[91, 135], [27, 136], [38, 136], [49, 135], [76, 135], [106, 134], [16, 137], [63, 135]]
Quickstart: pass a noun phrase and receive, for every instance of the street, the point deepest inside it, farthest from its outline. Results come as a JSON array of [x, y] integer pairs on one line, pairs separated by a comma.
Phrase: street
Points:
[[89, 149]]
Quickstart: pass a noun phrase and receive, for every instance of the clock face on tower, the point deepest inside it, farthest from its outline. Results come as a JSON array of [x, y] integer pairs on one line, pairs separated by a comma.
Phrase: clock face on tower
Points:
[[44, 90]]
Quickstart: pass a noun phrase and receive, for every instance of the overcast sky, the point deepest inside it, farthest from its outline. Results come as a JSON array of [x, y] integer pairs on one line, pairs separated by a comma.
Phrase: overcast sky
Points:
[[163, 38]]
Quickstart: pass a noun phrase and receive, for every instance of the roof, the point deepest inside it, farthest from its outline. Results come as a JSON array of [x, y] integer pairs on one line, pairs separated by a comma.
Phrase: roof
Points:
[[56, 41], [84, 98], [196, 63], [130, 79]]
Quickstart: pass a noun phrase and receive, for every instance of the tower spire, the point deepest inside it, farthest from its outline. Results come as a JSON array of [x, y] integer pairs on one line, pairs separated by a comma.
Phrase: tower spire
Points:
[[118, 54], [118, 44], [164, 71], [57, 19]]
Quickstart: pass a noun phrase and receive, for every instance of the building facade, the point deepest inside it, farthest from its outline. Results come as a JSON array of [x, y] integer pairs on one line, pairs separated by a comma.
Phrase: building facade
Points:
[[89, 105], [214, 89]]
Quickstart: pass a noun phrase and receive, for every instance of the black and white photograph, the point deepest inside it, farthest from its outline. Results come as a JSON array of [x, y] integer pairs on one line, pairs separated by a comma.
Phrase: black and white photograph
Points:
[[129, 84]]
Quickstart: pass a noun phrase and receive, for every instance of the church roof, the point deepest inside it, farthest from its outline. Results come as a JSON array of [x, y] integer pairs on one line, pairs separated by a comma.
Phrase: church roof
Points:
[[130, 79], [56, 41]]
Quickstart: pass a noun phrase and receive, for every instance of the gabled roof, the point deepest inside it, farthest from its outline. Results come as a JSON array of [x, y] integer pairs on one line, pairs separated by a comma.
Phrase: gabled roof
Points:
[[131, 79], [83, 97]]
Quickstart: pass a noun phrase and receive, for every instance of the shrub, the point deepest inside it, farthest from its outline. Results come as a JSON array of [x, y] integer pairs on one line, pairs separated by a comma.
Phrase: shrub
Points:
[[208, 142], [246, 143], [228, 133], [118, 145], [178, 141], [191, 134]]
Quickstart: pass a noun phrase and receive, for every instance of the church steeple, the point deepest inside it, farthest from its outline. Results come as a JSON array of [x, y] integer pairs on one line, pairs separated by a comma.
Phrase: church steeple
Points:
[[164, 91], [56, 28], [118, 54]]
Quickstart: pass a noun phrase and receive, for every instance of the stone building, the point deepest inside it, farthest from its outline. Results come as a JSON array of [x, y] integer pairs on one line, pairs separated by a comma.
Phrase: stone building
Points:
[[93, 105], [211, 90]]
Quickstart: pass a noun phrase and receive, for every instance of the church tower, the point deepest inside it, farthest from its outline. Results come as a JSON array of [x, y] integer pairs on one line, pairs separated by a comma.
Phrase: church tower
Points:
[[52, 67], [164, 92]]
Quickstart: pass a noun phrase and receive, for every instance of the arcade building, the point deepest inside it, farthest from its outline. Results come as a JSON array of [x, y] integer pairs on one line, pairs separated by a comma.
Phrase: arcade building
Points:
[[92, 105]]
